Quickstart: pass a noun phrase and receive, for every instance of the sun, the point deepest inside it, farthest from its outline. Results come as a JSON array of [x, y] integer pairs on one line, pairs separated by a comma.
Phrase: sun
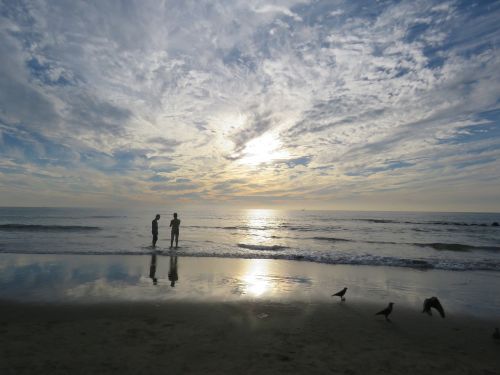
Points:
[[264, 149]]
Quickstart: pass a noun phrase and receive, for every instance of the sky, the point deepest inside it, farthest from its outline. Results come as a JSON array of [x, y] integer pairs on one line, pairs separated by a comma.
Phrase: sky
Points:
[[348, 105]]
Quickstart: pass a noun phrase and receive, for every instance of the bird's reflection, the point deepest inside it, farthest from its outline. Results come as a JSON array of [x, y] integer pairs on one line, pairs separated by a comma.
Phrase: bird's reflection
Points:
[[172, 272], [152, 269]]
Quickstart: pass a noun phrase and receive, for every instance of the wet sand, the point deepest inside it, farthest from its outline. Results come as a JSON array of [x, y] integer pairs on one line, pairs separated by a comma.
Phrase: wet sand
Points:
[[104, 315], [246, 337], [99, 278]]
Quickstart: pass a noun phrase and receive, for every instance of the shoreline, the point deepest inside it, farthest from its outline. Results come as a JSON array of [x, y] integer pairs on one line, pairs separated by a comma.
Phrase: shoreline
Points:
[[251, 337], [105, 278], [404, 263]]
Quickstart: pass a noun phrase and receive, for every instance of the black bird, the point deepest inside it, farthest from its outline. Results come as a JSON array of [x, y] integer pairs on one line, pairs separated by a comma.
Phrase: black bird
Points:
[[496, 334], [340, 294], [433, 302], [386, 312]]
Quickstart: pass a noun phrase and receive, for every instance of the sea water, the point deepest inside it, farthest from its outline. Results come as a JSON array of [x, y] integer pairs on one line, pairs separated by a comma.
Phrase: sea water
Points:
[[448, 241]]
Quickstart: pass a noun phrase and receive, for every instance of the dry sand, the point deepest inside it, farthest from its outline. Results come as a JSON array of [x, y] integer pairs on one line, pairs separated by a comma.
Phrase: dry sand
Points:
[[239, 338]]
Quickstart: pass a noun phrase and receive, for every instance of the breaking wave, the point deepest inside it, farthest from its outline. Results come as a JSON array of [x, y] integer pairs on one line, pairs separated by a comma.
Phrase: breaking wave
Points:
[[46, 228], [456, 247], [332, 239], [333, 258], [261, 247]]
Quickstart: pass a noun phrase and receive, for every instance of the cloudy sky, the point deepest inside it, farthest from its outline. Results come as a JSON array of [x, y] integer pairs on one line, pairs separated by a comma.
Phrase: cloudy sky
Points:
[[389, 105]]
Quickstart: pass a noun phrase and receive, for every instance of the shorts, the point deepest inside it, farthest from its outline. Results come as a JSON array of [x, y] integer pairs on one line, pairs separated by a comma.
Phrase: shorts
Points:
[[155, 237]]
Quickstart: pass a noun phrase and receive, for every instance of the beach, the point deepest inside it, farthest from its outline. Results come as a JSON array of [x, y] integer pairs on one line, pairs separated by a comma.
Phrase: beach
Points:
[[103, 314], [250, 187], [239, 337]]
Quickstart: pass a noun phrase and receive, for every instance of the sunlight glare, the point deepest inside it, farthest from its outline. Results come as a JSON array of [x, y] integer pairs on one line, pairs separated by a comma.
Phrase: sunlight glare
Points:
[[264, 149], [255, 278], [259, 222]]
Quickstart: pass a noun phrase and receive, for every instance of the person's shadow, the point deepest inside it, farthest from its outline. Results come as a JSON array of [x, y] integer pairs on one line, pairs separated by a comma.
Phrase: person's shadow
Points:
[[152, 269], [172, 272]]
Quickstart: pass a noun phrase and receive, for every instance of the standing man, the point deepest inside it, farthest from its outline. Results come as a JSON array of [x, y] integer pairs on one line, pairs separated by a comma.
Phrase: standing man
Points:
[[154, 229], [175, 224]]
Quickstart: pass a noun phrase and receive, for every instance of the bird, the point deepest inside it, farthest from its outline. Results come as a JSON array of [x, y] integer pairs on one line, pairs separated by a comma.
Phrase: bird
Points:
[[433, 302], [340, 294], [496, 334], [386, 311]]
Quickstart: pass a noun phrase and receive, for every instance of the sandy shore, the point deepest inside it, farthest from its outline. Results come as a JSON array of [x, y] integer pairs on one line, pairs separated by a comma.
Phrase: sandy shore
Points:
[[239, 338], [106, 315]]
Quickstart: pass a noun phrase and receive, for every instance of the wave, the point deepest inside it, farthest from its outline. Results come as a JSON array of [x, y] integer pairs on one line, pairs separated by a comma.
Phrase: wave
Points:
[[432, 222], [265, 227], [420, 264], [456, 246], [457, 223], [46, 228], [435, 246], [425, 225], [360, 260], [380, 221], [262, 247], [332, 239], [234, 227], [105, 217], [38, 217]]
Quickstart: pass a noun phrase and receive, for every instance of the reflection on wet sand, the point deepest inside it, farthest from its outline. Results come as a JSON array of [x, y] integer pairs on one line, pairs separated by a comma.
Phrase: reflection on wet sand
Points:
[[172, 271], [152, 269], [88, 278], [254, 278], [173, 275]]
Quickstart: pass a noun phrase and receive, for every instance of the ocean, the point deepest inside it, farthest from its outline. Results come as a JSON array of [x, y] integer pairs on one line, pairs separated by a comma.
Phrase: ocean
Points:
[[447, 241]]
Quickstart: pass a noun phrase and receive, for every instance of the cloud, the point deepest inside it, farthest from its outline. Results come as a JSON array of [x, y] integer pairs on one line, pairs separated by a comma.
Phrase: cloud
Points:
[[363, 97], [158, 178], [257, 124], [174, 187], [268, 8], [164, 145]]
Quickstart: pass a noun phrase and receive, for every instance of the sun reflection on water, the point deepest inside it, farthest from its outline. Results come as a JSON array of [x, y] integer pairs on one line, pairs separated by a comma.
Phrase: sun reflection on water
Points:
[[261, 231], [260, 224]]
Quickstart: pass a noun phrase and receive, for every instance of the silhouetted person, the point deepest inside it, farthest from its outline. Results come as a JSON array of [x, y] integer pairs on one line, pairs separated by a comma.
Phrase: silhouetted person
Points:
[[175, 224], [154, 229], [340, 294], [433, 302], [152, 269], [172, 272], [386, 312]]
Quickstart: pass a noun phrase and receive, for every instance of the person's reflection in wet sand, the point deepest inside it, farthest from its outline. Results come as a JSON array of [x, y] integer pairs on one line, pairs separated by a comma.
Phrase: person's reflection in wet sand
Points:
[[152, 269], [172, 272]]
